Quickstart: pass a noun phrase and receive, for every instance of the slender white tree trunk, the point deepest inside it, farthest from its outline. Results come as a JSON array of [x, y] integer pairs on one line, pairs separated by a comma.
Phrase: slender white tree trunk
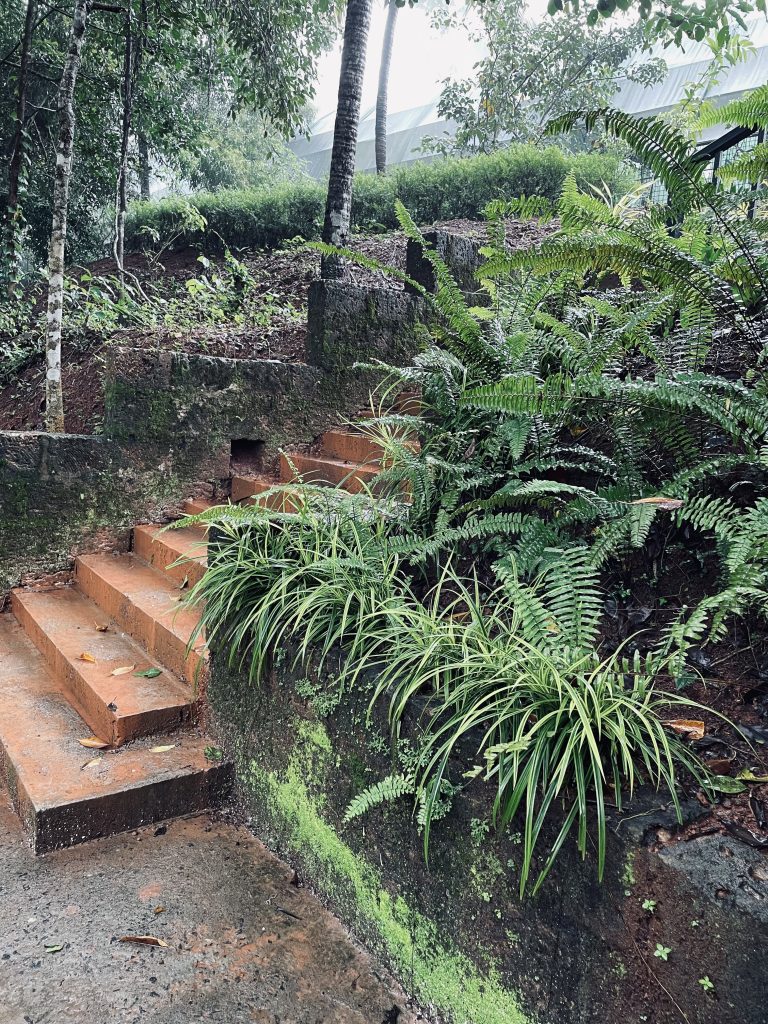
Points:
[[54, 403], [382, 96], [13, 218]]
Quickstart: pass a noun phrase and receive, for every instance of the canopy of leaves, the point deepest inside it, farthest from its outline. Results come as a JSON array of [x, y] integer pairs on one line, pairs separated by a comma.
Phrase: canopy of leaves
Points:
[[670, 20], [195, 64], [534, 71]]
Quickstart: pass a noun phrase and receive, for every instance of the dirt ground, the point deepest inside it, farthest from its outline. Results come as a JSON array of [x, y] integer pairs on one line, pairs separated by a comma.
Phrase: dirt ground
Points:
[[283, 278], [244, 944]]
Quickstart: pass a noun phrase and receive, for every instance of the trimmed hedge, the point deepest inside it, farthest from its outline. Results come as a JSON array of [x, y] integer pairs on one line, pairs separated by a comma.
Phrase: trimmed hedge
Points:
[[441, 190]]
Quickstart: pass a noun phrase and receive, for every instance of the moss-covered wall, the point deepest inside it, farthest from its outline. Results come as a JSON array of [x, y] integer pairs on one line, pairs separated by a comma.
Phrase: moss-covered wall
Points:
[[197, 404], [455, 931], [169, 423], [349, 324], [63, 493]]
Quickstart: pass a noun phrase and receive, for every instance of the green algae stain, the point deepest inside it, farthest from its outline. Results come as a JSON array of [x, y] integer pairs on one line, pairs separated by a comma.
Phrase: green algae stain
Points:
[[436, 972]]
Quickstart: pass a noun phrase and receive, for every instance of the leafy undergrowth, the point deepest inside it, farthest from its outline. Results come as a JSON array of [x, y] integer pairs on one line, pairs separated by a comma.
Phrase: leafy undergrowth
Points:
[[251, 308], [562, 576]]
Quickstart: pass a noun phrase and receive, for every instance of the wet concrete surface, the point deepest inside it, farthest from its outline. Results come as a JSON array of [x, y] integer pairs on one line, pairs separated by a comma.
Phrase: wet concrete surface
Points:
[[244, 944]]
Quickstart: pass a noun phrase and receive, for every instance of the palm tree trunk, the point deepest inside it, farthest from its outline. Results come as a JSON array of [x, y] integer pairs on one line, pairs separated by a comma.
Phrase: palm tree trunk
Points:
[[54, 402], [338, 207], [17, 157], [383, 94]]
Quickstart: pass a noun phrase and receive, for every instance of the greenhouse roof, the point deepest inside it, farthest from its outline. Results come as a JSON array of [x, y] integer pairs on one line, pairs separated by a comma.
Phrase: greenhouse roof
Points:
[[407, 129]]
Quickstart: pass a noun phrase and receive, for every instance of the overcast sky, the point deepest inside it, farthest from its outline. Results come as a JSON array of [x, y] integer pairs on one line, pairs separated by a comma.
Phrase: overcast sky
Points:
[[422, 58]]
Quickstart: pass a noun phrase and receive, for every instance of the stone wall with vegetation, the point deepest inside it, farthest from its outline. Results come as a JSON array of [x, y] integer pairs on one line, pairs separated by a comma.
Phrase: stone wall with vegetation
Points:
[[349, 324], [193, 406], [56, 491], [170, 420], [454, 930]]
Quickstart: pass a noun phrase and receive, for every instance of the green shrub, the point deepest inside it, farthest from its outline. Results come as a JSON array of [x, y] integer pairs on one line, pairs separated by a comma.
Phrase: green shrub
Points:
[[442, 190]]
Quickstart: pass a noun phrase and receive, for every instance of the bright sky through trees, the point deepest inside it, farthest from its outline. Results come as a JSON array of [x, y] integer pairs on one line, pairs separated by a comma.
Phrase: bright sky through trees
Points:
[[422, 58]]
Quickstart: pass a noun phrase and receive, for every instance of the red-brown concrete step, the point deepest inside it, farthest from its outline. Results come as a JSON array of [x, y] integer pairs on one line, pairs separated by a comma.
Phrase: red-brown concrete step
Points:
[[63, 625], [145, 603], [248, 490], [194, 506], [407, 403], [180, 554], [315, 469], [67, 794], [356, 446], [350, 446]]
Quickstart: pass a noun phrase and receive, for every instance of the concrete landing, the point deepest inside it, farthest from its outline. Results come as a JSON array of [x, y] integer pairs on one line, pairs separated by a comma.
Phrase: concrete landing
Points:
[[244, 945]]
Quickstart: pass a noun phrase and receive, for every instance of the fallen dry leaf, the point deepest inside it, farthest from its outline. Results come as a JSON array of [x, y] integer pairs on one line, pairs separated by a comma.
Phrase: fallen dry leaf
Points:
[[101, 628], [87, 656], [690, 729], [668, 504], [123, 670], [159, 909], [161, 750], [93, 741], [144, 940], [92, 764]]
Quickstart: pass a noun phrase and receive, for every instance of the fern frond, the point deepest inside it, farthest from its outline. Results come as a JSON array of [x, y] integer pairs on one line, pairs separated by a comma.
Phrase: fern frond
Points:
[[664, 149], [393, 787], [747, 111]]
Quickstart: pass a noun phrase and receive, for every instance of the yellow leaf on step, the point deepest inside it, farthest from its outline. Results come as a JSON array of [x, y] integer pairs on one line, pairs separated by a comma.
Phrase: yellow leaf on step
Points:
[[87, 656], [102, 628], [94, 742], [123, 670], [161, 750], [92, 764], [145, 940]]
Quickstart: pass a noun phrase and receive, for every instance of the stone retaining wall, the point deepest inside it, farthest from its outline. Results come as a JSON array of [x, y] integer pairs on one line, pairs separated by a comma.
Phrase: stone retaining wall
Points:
[[455, 931], [193, 406], [56, 491], [348, 324]]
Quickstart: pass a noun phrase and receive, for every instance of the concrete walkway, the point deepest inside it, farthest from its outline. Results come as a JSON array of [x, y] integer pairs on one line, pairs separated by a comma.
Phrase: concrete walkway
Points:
[[244, 945]]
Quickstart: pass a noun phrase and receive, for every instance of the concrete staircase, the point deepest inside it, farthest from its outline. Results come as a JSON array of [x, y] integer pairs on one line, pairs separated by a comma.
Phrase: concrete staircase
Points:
[[348, 458], [107, 660], [115, 660]]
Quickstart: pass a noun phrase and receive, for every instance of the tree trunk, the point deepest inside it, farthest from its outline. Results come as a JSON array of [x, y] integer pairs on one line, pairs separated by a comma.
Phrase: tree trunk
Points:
[[143, 167], [339, 204], [54, 403], [141, 41], [122, 174], [383, 93], [17, 157]]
